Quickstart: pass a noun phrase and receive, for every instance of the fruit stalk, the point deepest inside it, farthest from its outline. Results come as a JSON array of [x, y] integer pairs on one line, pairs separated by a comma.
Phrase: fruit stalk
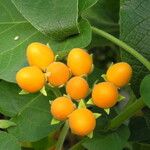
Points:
[[123, 45], [126, 113], [62, 136]]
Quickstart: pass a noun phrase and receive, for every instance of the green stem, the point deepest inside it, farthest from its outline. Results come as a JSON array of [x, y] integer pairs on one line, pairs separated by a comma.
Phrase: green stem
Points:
[[123, 45], [62, 136], [65, 128], [126, 113]]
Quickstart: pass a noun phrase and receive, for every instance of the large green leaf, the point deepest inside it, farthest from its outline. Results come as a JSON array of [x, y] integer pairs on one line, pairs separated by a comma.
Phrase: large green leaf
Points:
[[83, 5], [80, 40], [104, 15], [29, 112], [12, 52], [58, 25], [134, 25], [8, 142], [115, 140], [45, 143], [145, 90], [57, 19]]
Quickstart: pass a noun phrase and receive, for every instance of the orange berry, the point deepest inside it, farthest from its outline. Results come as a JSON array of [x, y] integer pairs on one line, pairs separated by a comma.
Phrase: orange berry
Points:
[[105, 95], [77, 88], [79, 61], [82, 121], [119, 74], [39, 55], [30, 79], [61, 107], [58, 73]]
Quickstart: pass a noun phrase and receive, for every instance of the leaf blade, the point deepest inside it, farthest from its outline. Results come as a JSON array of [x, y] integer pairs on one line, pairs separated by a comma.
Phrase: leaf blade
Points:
[[116, 140], [135, 31], [7, 141], [58, 24], [29, 112]]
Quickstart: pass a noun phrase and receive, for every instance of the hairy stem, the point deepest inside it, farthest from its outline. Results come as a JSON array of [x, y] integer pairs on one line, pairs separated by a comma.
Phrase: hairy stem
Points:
[[126, 113], [62, 136], [123, 45]]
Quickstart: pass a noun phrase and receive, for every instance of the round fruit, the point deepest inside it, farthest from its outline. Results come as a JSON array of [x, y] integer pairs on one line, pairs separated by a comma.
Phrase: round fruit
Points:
[[61, 107], [119, 74], [30, 79], [79, 61], [82, 121], [105, 95], [58, 73], [77, 88], [39, 55]]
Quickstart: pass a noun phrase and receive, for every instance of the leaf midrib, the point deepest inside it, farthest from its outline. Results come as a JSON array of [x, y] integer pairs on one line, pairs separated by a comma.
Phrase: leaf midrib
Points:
[[28, 104], [13, 22]]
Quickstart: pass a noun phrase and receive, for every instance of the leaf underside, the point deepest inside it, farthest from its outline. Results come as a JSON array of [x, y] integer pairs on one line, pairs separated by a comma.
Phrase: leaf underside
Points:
[[53, 23]]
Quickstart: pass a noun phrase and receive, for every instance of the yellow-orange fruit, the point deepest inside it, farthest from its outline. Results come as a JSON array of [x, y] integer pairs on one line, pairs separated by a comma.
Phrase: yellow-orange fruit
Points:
[[82, 121], [77, 88], [61, 107], [58, 73], [39, 55], [30, 79], [119, 74], [79, 61], [105, 95]]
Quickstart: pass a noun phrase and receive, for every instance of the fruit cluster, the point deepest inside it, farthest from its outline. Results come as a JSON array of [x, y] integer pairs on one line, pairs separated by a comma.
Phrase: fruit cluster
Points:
[[45, 69]]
